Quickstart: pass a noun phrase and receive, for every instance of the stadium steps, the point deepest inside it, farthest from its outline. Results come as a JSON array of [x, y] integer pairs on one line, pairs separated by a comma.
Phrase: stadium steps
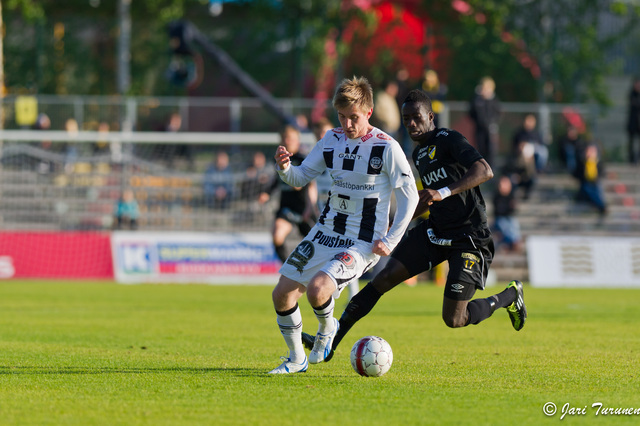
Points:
[[552, 210]]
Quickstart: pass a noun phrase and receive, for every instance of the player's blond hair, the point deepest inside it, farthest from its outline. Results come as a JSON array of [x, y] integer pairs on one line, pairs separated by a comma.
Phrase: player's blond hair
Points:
[[356, 91]]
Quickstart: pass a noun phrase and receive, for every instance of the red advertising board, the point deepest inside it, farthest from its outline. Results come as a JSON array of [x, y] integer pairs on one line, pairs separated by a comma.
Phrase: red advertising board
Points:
[[55, 255]]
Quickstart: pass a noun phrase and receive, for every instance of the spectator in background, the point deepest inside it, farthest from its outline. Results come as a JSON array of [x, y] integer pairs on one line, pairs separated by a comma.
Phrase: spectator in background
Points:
[[506, 225], [102, 146], [529, 133], [590, 172], [521, 166], [386, 114], [71, 148], [43, 122], [302, 122], [126, 212], [485, 112], [257, 178], [436, 90], [633, 121], [174, 125], [218, 183], [569, 145], [297, 204], [404, 87]]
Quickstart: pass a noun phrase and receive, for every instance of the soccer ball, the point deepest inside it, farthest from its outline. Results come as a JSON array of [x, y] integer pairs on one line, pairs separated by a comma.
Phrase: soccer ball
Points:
[[371, 356]]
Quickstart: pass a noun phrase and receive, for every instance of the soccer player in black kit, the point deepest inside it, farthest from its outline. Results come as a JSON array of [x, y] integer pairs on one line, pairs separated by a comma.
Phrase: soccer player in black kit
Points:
[[456, 230], [297, 205]]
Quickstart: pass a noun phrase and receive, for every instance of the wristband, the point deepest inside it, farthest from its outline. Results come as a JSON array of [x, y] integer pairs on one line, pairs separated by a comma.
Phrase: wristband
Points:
[[444, 192]]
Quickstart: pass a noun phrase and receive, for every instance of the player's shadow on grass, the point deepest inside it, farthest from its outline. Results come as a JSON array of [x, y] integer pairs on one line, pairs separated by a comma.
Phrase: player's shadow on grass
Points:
[[41, 370]]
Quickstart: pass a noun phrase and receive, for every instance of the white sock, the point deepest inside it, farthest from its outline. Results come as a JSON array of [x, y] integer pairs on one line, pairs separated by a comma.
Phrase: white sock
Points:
[[325, 318], [354, 288], [291, 329]]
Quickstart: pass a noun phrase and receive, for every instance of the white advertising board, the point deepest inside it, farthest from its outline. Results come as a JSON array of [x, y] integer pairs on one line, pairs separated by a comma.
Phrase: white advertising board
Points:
[[188, 257], [557, 261]]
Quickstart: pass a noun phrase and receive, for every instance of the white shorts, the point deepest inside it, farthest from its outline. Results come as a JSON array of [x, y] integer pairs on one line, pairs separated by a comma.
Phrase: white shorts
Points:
[[344, 259]]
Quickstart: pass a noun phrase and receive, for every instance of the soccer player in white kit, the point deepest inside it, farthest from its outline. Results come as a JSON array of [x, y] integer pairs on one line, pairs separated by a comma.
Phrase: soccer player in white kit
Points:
[[366, 166]]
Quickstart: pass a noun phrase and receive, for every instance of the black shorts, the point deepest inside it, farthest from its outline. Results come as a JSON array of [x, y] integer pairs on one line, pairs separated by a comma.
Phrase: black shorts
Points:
[[469, 258], [295, 219]]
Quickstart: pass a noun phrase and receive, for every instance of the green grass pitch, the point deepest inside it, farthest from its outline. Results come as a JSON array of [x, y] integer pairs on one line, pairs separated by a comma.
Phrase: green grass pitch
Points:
[[85, 353]]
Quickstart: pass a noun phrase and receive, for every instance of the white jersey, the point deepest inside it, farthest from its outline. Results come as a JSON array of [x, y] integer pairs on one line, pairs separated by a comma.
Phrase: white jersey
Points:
[[364, 172]]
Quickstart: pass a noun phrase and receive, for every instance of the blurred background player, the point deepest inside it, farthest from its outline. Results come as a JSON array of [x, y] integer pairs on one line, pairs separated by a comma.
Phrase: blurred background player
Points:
[[366, 165], [297, 204]]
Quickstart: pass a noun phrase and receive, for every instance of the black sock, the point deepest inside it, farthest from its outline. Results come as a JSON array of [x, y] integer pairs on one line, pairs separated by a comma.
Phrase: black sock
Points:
[[281, 252], [359, 306], [505, 298], [479, 310]]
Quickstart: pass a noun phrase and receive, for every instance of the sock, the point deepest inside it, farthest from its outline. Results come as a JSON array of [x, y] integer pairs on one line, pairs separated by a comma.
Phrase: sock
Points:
[[324, 314], [290, 323], [480, 309], [359, 306], [505, 298], [281, 252]]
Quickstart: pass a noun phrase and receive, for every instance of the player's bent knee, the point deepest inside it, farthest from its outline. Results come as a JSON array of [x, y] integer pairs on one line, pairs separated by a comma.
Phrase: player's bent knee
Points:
[[454, 321]]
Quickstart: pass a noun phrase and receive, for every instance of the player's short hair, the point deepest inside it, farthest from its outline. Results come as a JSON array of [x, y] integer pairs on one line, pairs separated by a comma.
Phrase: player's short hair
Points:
[[419, 97], [356, 91]]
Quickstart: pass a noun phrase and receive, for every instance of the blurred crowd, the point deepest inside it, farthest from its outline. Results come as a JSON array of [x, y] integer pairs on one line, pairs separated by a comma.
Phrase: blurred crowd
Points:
[[234, 173]]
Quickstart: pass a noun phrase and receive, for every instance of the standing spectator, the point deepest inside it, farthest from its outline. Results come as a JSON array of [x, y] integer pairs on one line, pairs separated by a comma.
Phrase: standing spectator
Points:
[[437, 91], [386, 114], [402, 80], [506, 225], [43, 122], [297, 204], [404, 87], [485, 112], [589, 172], [174, 125], [126, 211], [218, 183], [71, 148], [633, 122], [569, 145]]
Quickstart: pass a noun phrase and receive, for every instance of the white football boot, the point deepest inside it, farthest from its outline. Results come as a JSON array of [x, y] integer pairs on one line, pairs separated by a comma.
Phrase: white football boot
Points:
[[322, 345], [288, 366]]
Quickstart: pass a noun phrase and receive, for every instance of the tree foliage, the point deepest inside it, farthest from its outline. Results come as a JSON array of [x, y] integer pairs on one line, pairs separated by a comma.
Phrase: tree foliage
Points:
[[536, 50], [570, 41]]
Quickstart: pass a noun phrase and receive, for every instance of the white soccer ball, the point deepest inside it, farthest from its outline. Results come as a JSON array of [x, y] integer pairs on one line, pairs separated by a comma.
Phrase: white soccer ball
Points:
[[371, 356]]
